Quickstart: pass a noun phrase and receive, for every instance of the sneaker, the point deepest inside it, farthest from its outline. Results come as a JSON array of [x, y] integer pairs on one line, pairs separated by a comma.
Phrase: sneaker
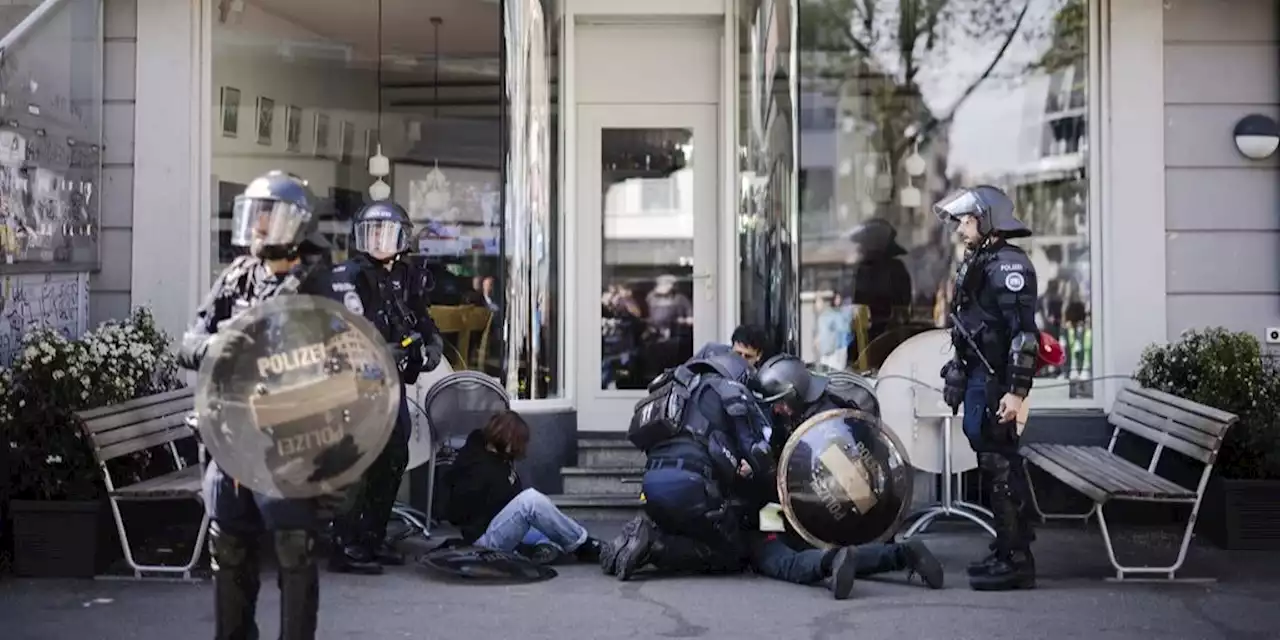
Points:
[[921, 562], [844, 573], [543, 553]]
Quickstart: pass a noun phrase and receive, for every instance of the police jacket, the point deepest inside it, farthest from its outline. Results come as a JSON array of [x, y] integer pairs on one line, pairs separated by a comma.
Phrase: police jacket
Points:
[[394, 300], [241, 285], [995, 304]]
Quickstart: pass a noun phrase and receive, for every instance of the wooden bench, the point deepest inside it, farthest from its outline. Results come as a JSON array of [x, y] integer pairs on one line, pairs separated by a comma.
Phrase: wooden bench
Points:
[[1191, 429], [154, 421]]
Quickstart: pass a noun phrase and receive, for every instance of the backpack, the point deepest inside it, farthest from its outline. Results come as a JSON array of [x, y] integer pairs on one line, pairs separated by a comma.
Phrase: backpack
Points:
[[662, 414]]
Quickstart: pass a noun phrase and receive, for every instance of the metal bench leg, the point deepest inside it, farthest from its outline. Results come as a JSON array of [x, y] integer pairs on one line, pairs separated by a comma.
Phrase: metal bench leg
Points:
[[183, 571], [1169, 571], [1045, 517]]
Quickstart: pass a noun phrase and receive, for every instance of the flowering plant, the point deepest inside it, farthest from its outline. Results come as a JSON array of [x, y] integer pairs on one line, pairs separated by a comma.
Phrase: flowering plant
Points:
[[53, 377], [1225, 370]]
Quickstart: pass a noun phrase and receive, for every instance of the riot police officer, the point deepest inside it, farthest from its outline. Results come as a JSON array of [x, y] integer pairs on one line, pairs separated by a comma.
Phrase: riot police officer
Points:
[[391, 292], [273, 218], [996, 338], [795, 394], [689, 523]]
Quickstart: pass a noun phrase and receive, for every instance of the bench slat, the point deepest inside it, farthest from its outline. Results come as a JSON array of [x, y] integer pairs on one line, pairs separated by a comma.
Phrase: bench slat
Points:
[[138, 403], [1159, 437], [1065, 475], [181, 483], [1221, 417], [170, 422], [140, 444], [1158, 422], [1115, 474], [140, 414], [1201, 426]]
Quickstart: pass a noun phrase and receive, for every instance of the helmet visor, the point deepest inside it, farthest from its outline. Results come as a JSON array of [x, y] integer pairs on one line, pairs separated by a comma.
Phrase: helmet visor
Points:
[[381, 237], [267, 222], [959, 204]]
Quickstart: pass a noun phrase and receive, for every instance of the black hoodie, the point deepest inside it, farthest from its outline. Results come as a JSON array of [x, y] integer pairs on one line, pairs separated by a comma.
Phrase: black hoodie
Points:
[[480, 483]]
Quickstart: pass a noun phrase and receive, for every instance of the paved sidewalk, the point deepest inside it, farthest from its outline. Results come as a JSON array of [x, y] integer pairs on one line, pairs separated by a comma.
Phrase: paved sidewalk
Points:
[[1072, 601]]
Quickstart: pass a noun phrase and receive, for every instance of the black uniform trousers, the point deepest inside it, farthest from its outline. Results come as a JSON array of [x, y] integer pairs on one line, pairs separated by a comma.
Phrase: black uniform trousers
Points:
[[1000, 463], [239, 517], [699, 531], [375, 496]]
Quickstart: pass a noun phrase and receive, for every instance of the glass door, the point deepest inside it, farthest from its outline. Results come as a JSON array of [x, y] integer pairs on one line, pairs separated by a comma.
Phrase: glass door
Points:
[[647, 184]]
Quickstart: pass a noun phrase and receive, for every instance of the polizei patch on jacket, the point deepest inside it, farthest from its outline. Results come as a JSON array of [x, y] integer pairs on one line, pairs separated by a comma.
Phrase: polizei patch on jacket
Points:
[[1015, 282]]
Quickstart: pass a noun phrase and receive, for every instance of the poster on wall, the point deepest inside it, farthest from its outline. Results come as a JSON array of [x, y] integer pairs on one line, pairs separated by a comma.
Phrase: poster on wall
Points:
[[29, 301], [456, 210]]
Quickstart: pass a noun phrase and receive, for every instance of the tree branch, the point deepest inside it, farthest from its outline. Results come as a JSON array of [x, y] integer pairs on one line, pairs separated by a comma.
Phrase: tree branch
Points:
[[935, 122]]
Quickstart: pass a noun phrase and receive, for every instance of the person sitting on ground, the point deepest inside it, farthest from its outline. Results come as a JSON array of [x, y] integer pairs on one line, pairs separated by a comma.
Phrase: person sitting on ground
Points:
[[492, 509]]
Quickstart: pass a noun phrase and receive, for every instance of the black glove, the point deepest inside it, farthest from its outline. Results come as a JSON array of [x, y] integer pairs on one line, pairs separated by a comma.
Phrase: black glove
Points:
[[433, 353], [955, 382]]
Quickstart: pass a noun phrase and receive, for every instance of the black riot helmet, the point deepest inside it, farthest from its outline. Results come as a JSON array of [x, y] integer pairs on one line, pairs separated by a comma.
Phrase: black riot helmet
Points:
[[382, 230], [785, 378], [274, 215], [990, 204]]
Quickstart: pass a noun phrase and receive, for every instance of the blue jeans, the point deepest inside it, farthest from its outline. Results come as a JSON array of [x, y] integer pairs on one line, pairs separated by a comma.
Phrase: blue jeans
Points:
[[530, 512], [774, 558]]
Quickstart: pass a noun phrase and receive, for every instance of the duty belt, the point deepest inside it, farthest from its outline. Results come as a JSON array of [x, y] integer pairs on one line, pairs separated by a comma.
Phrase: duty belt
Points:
[[691, 466]]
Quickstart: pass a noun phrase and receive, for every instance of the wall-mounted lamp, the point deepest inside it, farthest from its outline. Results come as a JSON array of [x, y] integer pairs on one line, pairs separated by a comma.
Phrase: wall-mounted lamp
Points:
[[1257, 136]]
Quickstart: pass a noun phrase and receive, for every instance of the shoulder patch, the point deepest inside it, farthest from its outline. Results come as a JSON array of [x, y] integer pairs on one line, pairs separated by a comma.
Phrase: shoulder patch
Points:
[[353, 303], [1014, 281]]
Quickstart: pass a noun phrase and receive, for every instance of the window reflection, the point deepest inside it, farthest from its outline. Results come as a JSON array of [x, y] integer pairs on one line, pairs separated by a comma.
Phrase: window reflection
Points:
[[951, 94]]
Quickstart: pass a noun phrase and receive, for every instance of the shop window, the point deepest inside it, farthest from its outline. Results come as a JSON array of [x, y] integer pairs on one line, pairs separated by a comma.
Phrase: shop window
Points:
[[983, 93], [50, 135], [463, 110]]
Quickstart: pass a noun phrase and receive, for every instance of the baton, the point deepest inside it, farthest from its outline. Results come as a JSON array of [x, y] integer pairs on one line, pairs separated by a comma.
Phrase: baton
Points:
[[968, 338]]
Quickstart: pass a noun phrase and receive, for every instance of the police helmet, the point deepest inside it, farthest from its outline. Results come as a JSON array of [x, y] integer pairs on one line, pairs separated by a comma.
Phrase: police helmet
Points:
[[274, 215], [785, 378], [990, 204], [382, 230]]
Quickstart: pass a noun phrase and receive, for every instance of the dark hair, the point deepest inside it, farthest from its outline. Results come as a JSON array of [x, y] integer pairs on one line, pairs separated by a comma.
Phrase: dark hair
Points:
[[508, 433], [752, 336]]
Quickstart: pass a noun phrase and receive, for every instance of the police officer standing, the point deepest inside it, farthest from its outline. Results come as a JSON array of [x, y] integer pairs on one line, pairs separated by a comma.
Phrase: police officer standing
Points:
[[689, 523], [997, 341], [795, 394], [274, 218], [391, 292]]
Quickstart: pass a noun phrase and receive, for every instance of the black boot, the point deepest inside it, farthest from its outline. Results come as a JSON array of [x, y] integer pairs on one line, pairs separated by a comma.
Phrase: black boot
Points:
[[920, 561], [351, 557], [235, 584], [983, 564], [635, 553], [609, 554], [1013, 570], [386, 554], [844, 573], [589, 551], [299, 582]]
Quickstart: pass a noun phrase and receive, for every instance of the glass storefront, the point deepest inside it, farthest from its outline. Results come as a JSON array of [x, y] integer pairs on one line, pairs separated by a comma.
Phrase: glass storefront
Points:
[[460, 96], [899, 108], [50, 135]]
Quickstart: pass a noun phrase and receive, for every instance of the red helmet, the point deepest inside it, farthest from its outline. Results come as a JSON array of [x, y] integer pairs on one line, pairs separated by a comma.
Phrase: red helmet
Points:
[[1051, 353]]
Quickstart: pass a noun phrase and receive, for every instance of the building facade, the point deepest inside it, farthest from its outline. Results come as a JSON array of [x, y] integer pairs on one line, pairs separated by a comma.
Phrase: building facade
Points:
[[547, 150]]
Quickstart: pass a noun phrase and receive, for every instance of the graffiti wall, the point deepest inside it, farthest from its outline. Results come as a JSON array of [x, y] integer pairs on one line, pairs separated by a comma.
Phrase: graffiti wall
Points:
[[58, 300]]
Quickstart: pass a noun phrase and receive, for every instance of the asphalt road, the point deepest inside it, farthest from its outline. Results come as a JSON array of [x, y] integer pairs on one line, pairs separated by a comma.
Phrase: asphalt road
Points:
[[1072, 601]]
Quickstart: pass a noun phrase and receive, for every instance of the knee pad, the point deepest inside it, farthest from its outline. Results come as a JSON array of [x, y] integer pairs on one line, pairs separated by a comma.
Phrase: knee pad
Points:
[[294, 548], [229, 550]]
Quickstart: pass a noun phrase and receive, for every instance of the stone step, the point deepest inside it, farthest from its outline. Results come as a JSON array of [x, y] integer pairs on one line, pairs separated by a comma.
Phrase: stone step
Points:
[[607, 508], [608, 453], [623, 481]]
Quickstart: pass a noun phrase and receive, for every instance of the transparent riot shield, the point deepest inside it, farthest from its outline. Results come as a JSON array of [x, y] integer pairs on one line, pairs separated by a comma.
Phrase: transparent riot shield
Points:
[[844, 479], [297, 396]]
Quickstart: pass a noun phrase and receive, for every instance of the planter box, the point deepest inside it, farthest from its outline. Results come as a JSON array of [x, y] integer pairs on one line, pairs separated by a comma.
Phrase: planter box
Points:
[[56, 539], [1242, 514]]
